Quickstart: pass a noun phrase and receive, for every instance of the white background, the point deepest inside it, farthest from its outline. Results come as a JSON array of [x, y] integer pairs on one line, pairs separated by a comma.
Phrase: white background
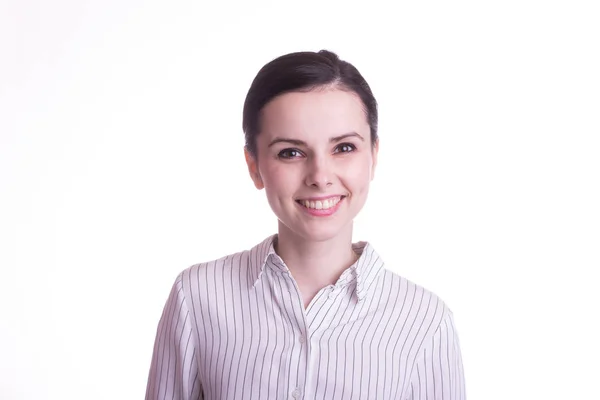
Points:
[[121, 164]]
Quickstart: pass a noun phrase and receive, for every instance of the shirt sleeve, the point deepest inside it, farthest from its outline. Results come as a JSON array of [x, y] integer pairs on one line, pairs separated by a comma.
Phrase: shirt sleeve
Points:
[[174, 369], [438, 373]]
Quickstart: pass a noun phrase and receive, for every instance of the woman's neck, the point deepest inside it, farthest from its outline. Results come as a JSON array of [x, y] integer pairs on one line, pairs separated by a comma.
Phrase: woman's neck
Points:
[[315, 264]]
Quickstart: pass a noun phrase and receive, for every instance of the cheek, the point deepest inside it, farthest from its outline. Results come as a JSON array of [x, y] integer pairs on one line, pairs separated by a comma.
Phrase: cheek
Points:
[[274, 175], [358, 174], [280, 181]]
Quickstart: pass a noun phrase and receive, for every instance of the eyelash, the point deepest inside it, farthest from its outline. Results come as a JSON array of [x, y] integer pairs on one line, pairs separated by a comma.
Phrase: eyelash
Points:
[[282, 152]]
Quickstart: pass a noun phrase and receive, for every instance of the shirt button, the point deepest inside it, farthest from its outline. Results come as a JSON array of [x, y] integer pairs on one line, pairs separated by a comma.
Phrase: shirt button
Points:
[[296, 393], [301, 339]]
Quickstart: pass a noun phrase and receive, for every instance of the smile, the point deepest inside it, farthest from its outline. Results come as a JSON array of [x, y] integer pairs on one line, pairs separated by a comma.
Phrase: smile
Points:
[[321, 204], [323, 207]]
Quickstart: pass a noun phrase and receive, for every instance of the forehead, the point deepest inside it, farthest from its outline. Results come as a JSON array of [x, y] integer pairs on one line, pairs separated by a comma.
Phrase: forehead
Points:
[[323, 113]]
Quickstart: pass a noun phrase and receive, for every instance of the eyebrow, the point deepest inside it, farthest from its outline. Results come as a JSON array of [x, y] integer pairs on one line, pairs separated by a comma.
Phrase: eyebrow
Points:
[[303, 143]]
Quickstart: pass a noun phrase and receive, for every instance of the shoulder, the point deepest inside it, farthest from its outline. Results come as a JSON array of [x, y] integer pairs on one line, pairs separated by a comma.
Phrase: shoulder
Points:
[[203, 284], [209, 269], [422, 304], [241, 264], [235, 270]]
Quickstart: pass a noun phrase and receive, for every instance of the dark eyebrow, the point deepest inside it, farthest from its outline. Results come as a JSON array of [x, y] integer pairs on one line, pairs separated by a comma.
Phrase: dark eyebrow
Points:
[[303, 143]]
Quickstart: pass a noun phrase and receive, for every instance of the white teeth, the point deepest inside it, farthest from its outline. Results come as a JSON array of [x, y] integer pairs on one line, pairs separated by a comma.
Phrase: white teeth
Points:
[[321, 205]]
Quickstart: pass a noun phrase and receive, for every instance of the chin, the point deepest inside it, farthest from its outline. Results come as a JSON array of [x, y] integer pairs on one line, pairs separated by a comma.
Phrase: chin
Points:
[[316, 233]]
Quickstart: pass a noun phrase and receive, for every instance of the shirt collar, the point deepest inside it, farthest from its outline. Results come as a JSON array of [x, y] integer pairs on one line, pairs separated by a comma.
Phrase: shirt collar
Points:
[[365, 270]]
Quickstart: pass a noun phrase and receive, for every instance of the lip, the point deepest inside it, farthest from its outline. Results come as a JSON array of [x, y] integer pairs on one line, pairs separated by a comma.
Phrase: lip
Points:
[[322, 213], [332, 196]]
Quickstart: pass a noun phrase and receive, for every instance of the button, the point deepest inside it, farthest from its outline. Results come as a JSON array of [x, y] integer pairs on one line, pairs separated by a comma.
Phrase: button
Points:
[[296, 393], [301, 339], [331, 295]]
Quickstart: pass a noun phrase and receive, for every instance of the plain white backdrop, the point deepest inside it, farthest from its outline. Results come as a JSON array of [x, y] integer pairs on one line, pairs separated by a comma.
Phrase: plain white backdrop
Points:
[[121, 164]]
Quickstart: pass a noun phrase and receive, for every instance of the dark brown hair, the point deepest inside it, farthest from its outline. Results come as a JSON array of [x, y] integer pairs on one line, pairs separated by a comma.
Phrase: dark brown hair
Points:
[[300, 72]]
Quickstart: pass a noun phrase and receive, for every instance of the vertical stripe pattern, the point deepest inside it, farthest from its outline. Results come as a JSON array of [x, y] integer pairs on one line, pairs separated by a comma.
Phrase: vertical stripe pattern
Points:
[[236, 328]]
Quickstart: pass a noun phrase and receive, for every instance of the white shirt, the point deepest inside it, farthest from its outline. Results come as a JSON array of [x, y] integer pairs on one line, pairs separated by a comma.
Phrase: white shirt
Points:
[[236, 328]]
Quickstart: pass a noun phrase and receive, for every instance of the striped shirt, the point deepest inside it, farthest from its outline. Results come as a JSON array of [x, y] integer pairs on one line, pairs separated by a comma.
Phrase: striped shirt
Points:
[[236, 328]]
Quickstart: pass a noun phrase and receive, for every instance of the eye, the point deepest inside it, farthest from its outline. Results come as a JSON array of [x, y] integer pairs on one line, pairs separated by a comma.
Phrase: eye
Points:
[[289, 153], [345, 148]]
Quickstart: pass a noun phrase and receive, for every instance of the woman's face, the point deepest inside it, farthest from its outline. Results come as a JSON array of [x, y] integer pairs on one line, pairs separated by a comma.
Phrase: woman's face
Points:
[[315, 161]]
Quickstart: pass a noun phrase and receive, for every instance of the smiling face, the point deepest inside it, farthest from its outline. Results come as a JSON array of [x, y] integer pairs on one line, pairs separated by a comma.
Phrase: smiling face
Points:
[[315, 161]]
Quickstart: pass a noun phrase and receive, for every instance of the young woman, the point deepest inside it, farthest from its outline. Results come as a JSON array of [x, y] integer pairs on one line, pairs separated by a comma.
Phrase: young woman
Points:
[[306, 314]]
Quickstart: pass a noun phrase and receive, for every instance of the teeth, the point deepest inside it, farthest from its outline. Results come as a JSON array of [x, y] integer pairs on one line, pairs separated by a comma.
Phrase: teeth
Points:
[[321, 205]]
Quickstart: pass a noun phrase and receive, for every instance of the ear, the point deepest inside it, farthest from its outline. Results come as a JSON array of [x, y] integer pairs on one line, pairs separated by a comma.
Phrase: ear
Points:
[[253, 169], [375, 155]]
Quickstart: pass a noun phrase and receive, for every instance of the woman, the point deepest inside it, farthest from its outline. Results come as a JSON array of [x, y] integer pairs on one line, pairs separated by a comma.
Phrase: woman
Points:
[[306, 314]]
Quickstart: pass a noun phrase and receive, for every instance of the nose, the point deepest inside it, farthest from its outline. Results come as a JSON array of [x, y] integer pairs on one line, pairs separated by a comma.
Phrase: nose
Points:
[[319, 173]]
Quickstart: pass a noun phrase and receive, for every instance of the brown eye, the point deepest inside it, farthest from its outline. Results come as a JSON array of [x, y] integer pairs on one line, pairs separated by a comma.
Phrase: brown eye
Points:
[[289, 153], [345, 148]]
